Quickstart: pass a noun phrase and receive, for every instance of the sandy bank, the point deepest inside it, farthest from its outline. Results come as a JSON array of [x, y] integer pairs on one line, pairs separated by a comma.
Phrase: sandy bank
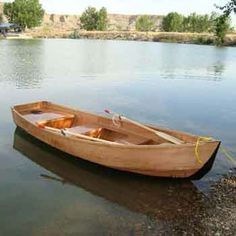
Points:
[[195, 38]]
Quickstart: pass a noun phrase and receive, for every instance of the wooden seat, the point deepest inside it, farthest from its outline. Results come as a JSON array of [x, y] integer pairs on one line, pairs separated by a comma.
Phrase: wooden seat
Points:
[[90, 130], [50, 119], [36, 117]]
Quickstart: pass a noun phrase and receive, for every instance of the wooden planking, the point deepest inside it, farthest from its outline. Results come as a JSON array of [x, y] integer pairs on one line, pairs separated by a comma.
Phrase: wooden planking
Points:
[[167, 160], [163, 135]]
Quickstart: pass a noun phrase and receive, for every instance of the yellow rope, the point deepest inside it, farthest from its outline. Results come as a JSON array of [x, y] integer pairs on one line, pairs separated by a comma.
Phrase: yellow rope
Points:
[[228, 155], [223, 150], [196, 150]]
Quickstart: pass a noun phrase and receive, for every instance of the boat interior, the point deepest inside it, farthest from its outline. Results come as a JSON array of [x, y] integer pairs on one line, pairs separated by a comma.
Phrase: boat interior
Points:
[[82, 124]]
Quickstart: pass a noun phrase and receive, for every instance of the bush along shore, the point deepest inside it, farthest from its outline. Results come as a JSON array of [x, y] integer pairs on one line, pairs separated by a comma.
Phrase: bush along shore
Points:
[[175, 37]]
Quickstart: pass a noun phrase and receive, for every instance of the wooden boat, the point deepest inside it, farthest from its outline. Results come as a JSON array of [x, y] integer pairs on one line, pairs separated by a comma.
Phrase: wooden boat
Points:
[[122, 144]]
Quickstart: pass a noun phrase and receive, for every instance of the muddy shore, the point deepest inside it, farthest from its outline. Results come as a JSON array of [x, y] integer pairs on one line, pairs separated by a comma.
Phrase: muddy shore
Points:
[[213, 214], [193, 38]]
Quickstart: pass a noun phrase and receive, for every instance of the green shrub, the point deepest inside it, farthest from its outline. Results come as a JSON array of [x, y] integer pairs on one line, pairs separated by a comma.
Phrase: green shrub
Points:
[[92, 19], [144, 23], [173, 22], [75, 34], [102, 19], [221, 28]]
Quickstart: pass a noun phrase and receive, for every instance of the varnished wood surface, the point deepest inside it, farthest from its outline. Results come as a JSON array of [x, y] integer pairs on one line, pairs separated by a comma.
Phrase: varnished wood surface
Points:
[[156, 158]]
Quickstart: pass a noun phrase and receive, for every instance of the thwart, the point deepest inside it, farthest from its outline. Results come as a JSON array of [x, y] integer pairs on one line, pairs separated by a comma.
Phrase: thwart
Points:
[[117, 142]]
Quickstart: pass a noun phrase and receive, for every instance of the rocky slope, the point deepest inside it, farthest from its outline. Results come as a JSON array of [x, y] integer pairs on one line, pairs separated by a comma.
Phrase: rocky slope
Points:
[[115, 21]]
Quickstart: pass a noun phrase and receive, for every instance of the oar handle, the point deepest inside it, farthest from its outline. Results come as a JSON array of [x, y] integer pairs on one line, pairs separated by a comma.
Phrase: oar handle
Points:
[[113, 113], [107, 111]]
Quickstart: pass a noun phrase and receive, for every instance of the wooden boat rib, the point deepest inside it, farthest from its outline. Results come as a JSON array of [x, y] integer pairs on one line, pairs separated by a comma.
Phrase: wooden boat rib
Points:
[[128, 147]]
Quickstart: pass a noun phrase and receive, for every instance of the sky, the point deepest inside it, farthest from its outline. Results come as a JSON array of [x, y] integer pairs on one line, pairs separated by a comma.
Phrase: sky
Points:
[[159, 7]]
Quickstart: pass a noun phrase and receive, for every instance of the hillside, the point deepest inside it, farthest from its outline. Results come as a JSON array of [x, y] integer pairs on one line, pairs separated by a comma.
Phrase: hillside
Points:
[[115, 21]]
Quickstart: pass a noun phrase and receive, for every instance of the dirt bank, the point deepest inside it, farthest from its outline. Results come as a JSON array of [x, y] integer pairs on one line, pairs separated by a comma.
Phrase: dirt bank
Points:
[[211, 214], [195, 38]]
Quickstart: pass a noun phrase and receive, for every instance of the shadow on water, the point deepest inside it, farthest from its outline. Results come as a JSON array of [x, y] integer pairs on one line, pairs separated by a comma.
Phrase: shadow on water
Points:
[[165, 199], [175, 205]]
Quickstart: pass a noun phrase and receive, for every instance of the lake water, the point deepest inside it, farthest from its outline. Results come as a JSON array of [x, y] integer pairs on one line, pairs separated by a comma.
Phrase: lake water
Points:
[[45, 192]]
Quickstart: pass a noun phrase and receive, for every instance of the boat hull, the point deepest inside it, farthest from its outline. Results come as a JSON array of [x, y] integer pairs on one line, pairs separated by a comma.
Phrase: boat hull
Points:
[[153, 160]]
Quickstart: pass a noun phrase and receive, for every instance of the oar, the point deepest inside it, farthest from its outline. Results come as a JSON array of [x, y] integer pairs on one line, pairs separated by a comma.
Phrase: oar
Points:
[[163, 135]]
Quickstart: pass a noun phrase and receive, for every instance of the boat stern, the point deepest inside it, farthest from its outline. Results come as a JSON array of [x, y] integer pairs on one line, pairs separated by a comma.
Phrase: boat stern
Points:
[[215, 145]]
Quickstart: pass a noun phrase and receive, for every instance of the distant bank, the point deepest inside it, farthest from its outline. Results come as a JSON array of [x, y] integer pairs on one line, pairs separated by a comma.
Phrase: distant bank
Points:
[[120, 27], [191, 38]]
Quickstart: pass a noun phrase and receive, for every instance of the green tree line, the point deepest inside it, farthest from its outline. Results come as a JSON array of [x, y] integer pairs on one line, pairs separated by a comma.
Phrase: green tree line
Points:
[[92, 19], [194, 23], [29, 13]]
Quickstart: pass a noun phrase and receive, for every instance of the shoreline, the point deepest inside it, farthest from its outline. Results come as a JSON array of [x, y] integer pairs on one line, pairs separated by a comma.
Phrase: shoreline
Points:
[[170, 37]]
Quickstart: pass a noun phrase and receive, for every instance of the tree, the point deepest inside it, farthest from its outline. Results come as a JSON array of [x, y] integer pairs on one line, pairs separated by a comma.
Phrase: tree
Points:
[[197, 23], [7, 10], [25, 13], [213, 18], [221, 27], [228, 8], [89, 19], [92, 19], [173, 22], [223, 21], [192, 23], [144, 23], [102, 19], [1, 18]]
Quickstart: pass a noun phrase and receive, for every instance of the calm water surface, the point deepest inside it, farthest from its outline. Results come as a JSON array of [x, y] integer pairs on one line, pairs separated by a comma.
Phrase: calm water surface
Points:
[[45, 192]]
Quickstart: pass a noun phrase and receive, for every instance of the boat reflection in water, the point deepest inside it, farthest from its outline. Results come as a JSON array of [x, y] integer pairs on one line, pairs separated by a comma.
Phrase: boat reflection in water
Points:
[[166, 199]]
